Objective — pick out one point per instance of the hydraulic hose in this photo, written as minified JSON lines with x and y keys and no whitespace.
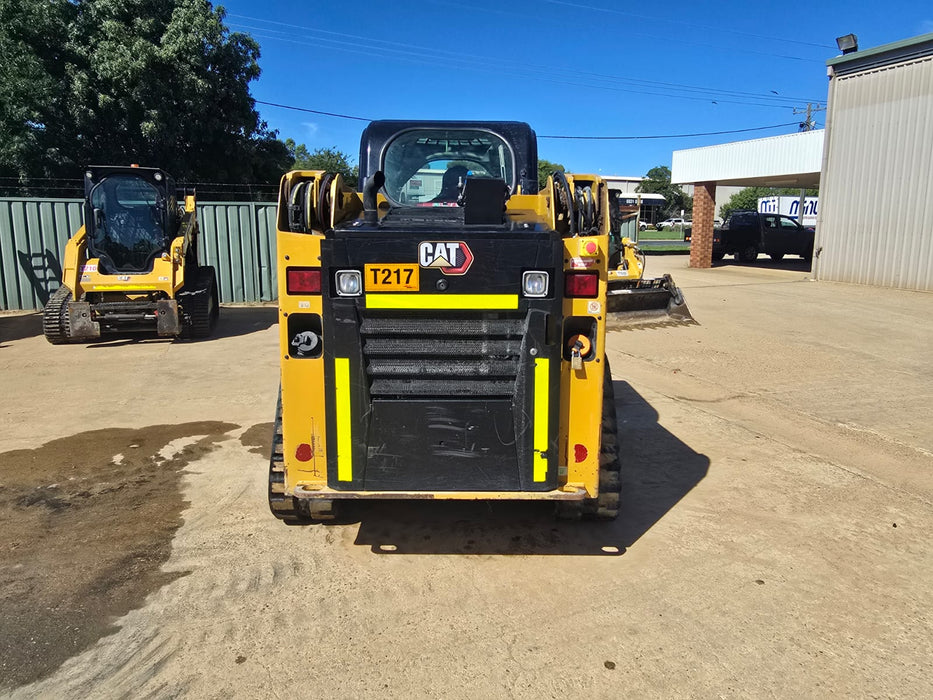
{"x":566,"y":197}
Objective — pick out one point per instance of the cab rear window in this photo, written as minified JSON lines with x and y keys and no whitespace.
{"x":425,"y":167}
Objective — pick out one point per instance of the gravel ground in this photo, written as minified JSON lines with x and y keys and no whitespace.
{"x":778,"y":481}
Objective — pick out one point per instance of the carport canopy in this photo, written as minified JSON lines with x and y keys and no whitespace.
{"x":789,"y":160}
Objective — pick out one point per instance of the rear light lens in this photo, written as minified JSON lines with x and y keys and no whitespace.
{"x":581,"y":284}
{"x":349,"y":283}
{"x":535,"y":284}
{"x":303,"y":280}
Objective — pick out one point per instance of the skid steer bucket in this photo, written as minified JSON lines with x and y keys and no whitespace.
{"x":642,"y":302}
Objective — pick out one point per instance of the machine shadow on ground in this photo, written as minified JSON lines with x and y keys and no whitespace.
{"x":233,"y":321}
{"x":243,"y":320}
{"x":658,"y":470}
{"x":791,"y":264}
{"x":19,"y":327}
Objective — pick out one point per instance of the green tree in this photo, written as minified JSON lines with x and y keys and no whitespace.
{"x":545,"y":169}
{"x":748,"y":198}
{"x":156,"y":82}
{"x":658,"y":181}
{"x":33,"y":78}
{"x":298,"y":153}
{"x":330,"y":159}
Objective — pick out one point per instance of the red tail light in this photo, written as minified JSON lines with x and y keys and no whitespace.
{"x":303,"y":280}
{"x":580,"y":453}
{"x":581,"y":284}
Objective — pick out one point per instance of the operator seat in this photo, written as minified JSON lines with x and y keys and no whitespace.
{"x":450,"y":184}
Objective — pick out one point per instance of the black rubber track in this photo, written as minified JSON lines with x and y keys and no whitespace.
{"x":199,"y":304}
{"x":282,"y":506}
{"x":55,"y":323}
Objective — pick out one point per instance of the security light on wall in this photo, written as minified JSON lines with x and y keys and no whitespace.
{"x":847,"y":43}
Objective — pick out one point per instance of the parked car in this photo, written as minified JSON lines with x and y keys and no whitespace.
{"x":688,"y":230}
{"x":673,"y":223}
{"x":642,"y":225}
{"x":748,"y":233}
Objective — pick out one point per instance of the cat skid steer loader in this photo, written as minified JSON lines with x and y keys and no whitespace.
{"x":442,"y":333}
{"x":133,"y":266}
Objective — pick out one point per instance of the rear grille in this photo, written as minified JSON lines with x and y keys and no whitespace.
{"x":449,"y":357}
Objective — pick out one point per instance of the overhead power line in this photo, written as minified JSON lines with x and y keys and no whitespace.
{"x":314,"y":111}
{"x":669,"y":136}
{"x":691,"y":25}
{"x":582,"y":138}
{"x":558,"y":74}
{"x":627,"y":30}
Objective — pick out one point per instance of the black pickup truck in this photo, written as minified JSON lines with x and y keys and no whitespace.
{"x":748,"y":233}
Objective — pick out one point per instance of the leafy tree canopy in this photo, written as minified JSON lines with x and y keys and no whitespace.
{"x":330,"y":159}
{"x":658,"y":181}
{"x":157,"y":82}
{"x":545,"y":169}
{"x":748,"y":198}
{"x":32,"y":77}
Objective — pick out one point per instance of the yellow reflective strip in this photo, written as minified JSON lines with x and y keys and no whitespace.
{"x":441,"y":301}
{"x":541,"y":419}
{"x":344,"y":435}
{"x":122,"y":287}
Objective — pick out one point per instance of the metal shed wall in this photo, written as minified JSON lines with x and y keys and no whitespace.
{"x":875,"y":222}
{"x":33,"y":233}
{"x":237,"y":238}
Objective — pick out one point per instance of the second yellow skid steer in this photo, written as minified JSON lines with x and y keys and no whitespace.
{"x":133,"y":266}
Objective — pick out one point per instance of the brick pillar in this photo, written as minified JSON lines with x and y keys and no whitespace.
{"x":704,"y":211}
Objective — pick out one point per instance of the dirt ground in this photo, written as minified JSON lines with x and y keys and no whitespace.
{"x":778,"y":482}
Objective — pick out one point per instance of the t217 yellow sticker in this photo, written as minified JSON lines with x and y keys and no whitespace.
{"x":391,"y":278}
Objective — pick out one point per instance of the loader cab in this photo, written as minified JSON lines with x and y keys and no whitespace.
{"x":130,"y":216}
{"x":426,"y":163}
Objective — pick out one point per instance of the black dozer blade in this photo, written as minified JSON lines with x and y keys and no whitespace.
{"x":646,"y":303}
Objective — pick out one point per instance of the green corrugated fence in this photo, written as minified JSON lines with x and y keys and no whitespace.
{"x":237,"y":238}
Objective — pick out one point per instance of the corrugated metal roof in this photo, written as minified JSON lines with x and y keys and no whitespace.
{"x":905,"y":50}
{"x":789,"y":160}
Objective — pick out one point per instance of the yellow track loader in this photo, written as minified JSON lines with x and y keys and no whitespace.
{"x":442,"y":332}
{"x":133,"y":266}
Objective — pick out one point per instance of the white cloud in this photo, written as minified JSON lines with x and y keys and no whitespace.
{"x":311,"y":127}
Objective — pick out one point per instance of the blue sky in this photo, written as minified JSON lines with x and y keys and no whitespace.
{"x":567,"y":67}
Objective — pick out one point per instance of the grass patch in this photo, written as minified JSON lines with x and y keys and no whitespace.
{"x":663,"y":246}
{"x":666,"y":235}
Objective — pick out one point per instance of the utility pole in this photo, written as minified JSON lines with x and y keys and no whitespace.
{"x":807,"y":125}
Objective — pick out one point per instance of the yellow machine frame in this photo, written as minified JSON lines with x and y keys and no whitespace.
{"x":171,"y":295}
{"x":581,"y":391}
